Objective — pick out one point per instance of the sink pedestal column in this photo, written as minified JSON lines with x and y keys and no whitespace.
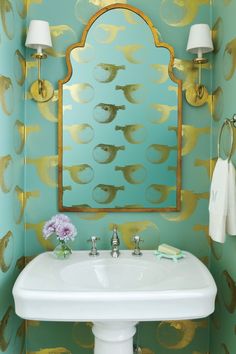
{"x":114,"y":337}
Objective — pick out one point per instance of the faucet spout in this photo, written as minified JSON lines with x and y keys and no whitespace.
{"x":115,"y":242}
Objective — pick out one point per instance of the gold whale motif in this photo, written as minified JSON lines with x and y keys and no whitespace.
{"x":226,"y":350}
{"x":229,"y":301}
{"x":157,"y":153}
{"x":131,"y":91}
{"x":5,"y":162}
{"x":31,"y":129}
{"x":23,"y":198}
{"x":20,"y":128}
{"x":44,"y":166}
{"x":23,"y":261}
{"x":165,"y":111}
{"x":180,"y":13}
{"x":37,"y":228}
{"x":20,"y":60}
{"x":216,"y":104}
{"x":129,"y":229}
{"x":162,"y":70}
{"x":105,"y":153}
{"x":82,"y":335}
{"x":30,"y":65}
{"x":191,"y":135}
{"x":81,"y":174}
{"x":81,"y":92}
{"x":25,"y":6}
{"x":58,"y":350}
{"x":6,"y":89}
{"x":229,"y":59}
{"x":103,"y":3}
{"x":180,"y":333}
{"x":105,"y":193}
{"x":189,"y":205}
{"x":48,"y":109}
{"x":158,"y":193}
{"x":67,"y":107}
{"x":147,"y":351}
{"x":207,"y":164}
{"x":129,"y":16}
{"x":57,"y":33}
{"x":111,"y":32}
{"x":129,"y":50}
{"x":106,"y":113}
{"x":21,"y":333}
{"x":4,"y":331}
{"x":218,"y":34}
{"x":7,"y":17}
{"x":174,"y":89}
{"x":84,"y":54}
{"x":134,"y":133}
{"x":3,"y":246}
{"x":106,"y":72}
{"x":80,"y":133}
{"x":134,"y":174}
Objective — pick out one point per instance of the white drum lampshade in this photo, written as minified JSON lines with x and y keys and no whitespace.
{"x":199,"y":40}
{"x":38,"y":36}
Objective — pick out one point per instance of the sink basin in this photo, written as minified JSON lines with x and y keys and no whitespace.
{"x":84,"y":288}
{"x":114,"y":292}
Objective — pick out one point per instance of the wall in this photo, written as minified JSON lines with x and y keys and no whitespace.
{"x":12,"y":76}
{"x":223,"y":264}
{"x":186,"y":229}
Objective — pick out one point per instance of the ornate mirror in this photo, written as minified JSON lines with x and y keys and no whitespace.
{"x":119,"y":118}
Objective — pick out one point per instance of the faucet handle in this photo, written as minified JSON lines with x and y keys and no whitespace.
{"x":137,"y":239}
{"x":93,"y":240}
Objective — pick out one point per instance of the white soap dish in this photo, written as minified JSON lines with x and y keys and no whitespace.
{"x":173,"y":257}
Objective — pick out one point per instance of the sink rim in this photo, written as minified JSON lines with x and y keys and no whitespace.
{"x":113,"y":301}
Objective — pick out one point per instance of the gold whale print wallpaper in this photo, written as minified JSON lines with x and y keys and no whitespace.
{"x":29,"y":134}
{"x":12,"y":79}
{"x":223,"y":260}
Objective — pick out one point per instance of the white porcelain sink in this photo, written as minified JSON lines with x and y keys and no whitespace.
{"x":114,"y":293}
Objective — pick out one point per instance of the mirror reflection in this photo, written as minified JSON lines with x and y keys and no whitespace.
{"x":119,"y":118}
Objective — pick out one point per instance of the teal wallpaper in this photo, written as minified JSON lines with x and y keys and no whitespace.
{"x":186,"y":229}
{"x":223,"y":261}
{"x":33,"y":200}
{"x":12,"y":77}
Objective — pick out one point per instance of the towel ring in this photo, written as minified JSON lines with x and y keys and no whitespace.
{"x":229,"y":123}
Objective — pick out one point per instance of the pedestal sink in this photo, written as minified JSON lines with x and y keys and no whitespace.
{"x":114,"y":294}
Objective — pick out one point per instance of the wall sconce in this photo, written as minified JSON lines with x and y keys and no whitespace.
{"x":38,"y":38}
{"x":199,"y":42}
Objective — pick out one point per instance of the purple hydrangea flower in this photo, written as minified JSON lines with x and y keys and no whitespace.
{"x":60,"y":218}
{"x":60,"y":225}
{"x":66,"y":231}
{"x":49,"y":228}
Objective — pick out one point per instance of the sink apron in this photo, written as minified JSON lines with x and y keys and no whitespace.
{"x":114,"y":337}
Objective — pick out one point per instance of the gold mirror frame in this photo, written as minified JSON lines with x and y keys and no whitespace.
{"x":81,"y":44}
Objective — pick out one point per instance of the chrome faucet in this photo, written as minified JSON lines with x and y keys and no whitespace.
{"x":115,"y":242}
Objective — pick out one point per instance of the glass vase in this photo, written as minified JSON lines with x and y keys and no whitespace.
{"x":62,"y":250}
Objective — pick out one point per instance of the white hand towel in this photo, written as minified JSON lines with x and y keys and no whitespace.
{"x":218,"y":205}
{"x":231,"y":213}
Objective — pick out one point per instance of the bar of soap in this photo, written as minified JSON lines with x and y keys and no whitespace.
{"x":167,"y":249}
